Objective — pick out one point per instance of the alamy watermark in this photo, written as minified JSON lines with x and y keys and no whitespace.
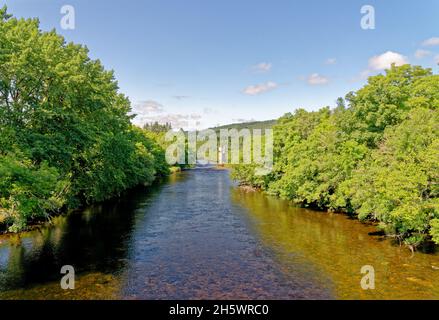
{"x":368,"y":280}
{"x":68,"y":20}
{"x":68,"y":280}
{"x":368,"y":19}
{"x":233,"y":146}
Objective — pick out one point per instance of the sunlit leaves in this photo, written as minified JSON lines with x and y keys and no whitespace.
{"x":66,"y":137}
{"x":378,"y":157}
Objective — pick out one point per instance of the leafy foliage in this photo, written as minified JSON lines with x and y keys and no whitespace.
{"x":378,"y":157}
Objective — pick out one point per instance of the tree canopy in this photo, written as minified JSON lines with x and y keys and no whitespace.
{"x":65,"y":134}
{"x":375,"y":155}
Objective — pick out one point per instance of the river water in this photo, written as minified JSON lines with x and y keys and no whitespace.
{"x":198,"y":236}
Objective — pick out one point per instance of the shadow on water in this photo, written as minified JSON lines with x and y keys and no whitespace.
{"x":94,"y":240}
{"x":339,"y":247}
{"x":197,"y":236}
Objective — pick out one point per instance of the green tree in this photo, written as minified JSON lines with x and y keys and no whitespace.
{"x":375,"y":155}
{"x":65,"y":128}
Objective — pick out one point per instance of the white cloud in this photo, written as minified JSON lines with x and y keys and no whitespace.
{"x":260,"y":88}
{"x":436,"y":59}
{"x":149,"y":106}
{"x":385,"y":60}
{"x":431,"y":42}
{"x":151,"y":111}
{"x":242,"y":120}
{"x":331,"y":61}
{"x":420,"y":53}
{"x":316,"y":79}
{"x":262,"y":67}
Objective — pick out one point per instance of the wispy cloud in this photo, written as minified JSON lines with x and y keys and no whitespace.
{"x":363,"y":75}
{"x":151,"y":111}
{"x":317,"y":79}
{"x":262,"y":67}
{"x":260,"y":88}
{"x":331,"y":61}
{"x":148,"y":106}
{"x":421,"y":53}
{"x":436,"y":59}
{"x":195,"y":116}
{"x":180,"y":97}
{"x":431,"y":42}
{"x":242,"y":120}
{"x":177,"y":121}
{"x":385,"y":60}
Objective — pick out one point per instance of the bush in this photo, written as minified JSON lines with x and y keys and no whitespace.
{"x":66,"y":137}
{"x":378,"y":157}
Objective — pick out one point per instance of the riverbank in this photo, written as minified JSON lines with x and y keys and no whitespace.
{"x":177,"y":241}
{"x":73,"y":143}
{"x":426,"y":247}
{"x":38,"y":225}
{"x":374,"y":155}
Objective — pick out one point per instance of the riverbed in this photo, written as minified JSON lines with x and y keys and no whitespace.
{"x":198,"y":236}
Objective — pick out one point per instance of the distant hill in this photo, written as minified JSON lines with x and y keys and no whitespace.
{"x":268,"y":124}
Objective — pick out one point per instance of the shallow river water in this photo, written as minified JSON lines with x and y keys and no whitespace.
{"x":198,"y":236}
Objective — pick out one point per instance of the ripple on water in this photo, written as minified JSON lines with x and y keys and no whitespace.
{"x":199,"y":237}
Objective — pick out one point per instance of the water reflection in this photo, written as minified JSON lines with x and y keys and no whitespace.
{"x":197,"y":236}
{"x":195,"y":244}
{"x":94,"y":241}
{"x":339,"y":247}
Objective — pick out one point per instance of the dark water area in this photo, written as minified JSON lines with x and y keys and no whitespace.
{"x":198,"y":236}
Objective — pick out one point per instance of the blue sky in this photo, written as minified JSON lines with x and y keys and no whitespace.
{"x":208,"y":62}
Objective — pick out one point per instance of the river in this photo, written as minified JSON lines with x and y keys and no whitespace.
{"x":199,"y":236}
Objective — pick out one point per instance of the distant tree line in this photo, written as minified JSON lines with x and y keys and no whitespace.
{"x":157,"y":127}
